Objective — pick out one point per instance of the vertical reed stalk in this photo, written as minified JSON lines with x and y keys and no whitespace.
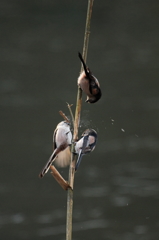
{"x":76,"y":126}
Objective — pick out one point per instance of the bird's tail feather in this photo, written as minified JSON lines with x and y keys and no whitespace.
{"x":78,"y":160}
{"x":47,"y":165}
{"x":83,"y":62}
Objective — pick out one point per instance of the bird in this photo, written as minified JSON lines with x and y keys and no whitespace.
{"x":89,"y":83}
{"x":62,"y":139}
{"x":85,"y":144}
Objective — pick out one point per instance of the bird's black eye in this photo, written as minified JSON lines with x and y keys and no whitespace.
{"x":67,"y":123}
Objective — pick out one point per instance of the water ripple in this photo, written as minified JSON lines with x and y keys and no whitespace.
{"x":92,"y":224}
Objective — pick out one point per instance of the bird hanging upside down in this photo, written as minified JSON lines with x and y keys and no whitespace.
{"x":85,"y":145}
{"x":89,"y":84}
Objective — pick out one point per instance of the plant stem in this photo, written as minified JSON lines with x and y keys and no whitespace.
{"x":61,"y":181}
{"x":76,"y":126}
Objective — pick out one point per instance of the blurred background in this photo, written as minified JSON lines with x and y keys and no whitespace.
{"x":116,"y":191}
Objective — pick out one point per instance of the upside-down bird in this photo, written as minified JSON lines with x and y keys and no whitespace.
{"x":85,"y":145}
{"x":89,"y":84}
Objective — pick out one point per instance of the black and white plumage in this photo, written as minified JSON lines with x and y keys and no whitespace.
{"x":62,"y":139}
{"x":85,"y":145}
{"x":89,"y":84}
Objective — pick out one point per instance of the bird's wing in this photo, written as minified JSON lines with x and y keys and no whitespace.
{"x":82,"y":151}
{"x":85,"y":143}
{"x":54,"y":137}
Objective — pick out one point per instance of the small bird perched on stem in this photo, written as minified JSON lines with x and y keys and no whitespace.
{"x":89,"y":84}
{"x":85,"y":145}
{"x":62,"y":139}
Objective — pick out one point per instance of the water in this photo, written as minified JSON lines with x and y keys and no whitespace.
{"x":116,"y":187}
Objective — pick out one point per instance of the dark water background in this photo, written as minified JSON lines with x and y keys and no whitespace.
{"x":116,"y":192}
